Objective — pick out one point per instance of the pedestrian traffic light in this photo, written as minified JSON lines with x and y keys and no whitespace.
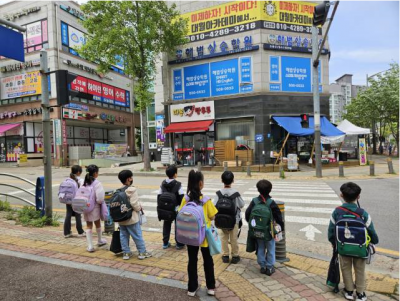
{"x":63,"y":80}
{"x":304,"y":121}
{"x":320,"y":13}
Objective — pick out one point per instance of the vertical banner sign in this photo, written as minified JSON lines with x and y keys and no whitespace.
{"x":274,"y":73}
{"x":362,"y":151}
{"x":246,"y":79}
{"x":160,"y":130}
{"x":197,"y":81}
{"x":64,"y":132}
{"x":296,"y":74}
{"x":224,"y":77}
{"x":94,"y":88}
{"x":128,"y":99}
{"x":178,"y":80}
{"x":64,"y":33}
{"x":58,"y":131}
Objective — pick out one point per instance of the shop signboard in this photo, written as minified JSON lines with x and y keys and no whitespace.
{"x":259,"y":138}
{"x":160,"y":130}
{"x":23,"y":158}
{"x":120,"y":97}
{"x":224,"y":77}
{"x":198,"y":111}
{"x":79,"y":84}
{"x":177,"y":80}
{"x":290,"y":74}
{"x":109,"y":150}
{"x":72,"y":38}
{"x":362,"y":149}
{"x":219,"y":78}
{"x":21,"y":85}
{"x":197,"y":81}
{"x":94,"y":89}
{"x":241,"y":16}
{"x":107,"y":94}
{"x":73,"y":114}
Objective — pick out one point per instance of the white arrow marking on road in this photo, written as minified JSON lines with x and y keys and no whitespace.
{"x":310,"y":232}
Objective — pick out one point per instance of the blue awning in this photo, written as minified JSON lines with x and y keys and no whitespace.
{"x":292,"y":124}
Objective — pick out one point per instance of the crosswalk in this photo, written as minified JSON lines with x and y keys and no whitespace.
{"x":305,"y":202}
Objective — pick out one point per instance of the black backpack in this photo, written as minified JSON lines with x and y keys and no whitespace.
{"x":167,"y":202}
{"x":120,"y":207}
{"x":226,"y":216}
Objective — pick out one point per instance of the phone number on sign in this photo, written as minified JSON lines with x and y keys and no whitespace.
{"x":224,"y":32}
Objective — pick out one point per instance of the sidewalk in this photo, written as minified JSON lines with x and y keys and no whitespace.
{"x":351,"y":173}
{"x":301,"y":278}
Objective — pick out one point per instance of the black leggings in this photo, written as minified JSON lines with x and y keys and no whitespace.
{"x":67,"y":222}
{"x":192,"y":268}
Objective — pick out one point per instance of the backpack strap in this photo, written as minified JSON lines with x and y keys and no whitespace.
{"x":234,"y":196}
{"x":356,"y":213}
{"x":176,"y":187}
{"x":219,"y":194}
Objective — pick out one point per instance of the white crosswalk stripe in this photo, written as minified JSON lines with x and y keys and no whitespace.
{"x":305,"y":202}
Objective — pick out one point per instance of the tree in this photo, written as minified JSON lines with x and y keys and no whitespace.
{"x":378,"y":103}
{"x":137,"y":32}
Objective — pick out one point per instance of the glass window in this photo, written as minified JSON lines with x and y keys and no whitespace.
{"x":29,"y":129}
{"x":98,"y":104}
{"x":11,"y":101}
{"x":5,"y":102}
{"x":91,"y":102}
{"x":240,"y":130}
{"x":18,"y":100}
{"x":152,"y":135}
{"x":96,"y":133}
{"x":105,"y":105}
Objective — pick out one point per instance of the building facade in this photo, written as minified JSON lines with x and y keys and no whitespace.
{"x":103,"y":112}
{"x":342,"y":92}
{"x":245,"y":62}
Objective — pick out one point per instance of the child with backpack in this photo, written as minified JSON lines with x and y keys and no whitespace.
{"x":131,"y":226}
{"x":228,"y":203}
{"x":261,"y":215}
{"x":196,"y":211}
{"x":350,"y":232}
{"x":66,"y":194}
{"x":169,"y":199}
{"x":96,"y":193}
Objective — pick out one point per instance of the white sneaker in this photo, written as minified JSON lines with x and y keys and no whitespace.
{"x":348,"y":295}
{"x":90,"y":250}
{"x":144,"y":255}
{"x":361,"y":297}
{"x":193,"y":294}
{"x":211,"y":292}
{"x":68,"y":235}
{"x":127,"y":256}
{"x":82,"y":234}
{"x":102,"y":242}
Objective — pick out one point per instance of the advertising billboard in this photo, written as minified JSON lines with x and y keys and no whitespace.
{"x":21,"y":85}
{"x":225,"y":77}
{"x":198,"y":111}
{"x":290,"y":74}
{"x":240,"y":16}
{"x":36,"y":34}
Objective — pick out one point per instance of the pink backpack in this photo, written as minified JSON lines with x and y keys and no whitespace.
{"x":84,"y":200}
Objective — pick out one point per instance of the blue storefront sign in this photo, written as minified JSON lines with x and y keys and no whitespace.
{"x":296,"y":74}
{"x":224,"y":77}
{"x":178,"y":96}
{"x":64,"y":33}
{"x":197,"y":81}
{"x":246,"y":88}
{"x":177,"y":80}
{"x":245,"y":70}
{"x":275,"y":87}
{"x":274,"y":69}
{"x":259,"y":138}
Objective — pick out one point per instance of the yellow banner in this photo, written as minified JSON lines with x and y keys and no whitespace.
{"x":21,"y":85}
{"x":234,"y":14}
{"x":288,"y":12}
{"x":223,"y":16}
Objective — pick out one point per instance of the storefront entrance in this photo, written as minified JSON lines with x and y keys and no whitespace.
{"x":191,"y":148}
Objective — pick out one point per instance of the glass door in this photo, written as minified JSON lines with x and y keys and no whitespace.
{"x":3,"y":150}
{"x":200,"y":148}
{"x":187,"y":150}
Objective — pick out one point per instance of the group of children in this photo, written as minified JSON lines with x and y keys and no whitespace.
{"x":263,"y":216}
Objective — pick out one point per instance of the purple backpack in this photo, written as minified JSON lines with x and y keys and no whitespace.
{"x":67,"y":191}
{"x":84,"y":200}
{"x":191,"y":224}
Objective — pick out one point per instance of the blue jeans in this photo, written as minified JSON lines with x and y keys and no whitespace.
{"x":136,"y":232}
{"x":268,"y":260}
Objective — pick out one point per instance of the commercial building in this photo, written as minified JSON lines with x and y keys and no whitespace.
{"x":103,"y":113}
{"x":245,"y":62}
{"x":342,"y":92}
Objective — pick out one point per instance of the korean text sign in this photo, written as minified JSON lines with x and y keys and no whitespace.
{"x":197,"y":81}
{"x":224,"y":77}
{"x":21,"y":85}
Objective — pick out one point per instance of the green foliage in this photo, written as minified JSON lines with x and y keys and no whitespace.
{"x":378,"y":103}
{"x":29,"y":216}
{"x":5,"y":206}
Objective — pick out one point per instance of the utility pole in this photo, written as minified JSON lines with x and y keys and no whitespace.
{"x":319,"y":17}
{"x":46,"y":135}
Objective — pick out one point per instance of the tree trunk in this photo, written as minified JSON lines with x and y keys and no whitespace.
{"x":146,"y":152}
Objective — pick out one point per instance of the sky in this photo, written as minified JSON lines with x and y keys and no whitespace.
{"x":364,"y":38}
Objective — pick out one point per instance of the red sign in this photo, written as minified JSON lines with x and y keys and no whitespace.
{"x":94,"y":88}
{"x":119,"y":96}
{"x":64,"y":132}
{"x":79,"y":84}
{"x":108,"y":93}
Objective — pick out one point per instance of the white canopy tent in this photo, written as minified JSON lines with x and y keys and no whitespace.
{"x":351,"y":129}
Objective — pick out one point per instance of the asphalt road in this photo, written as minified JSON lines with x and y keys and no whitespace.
{"x":26,"y":280}
{"x":380,"y":198}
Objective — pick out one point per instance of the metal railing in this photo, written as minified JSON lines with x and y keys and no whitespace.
{"x":12,"y":195}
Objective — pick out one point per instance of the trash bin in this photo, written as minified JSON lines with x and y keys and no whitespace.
{"x":109,"y":225}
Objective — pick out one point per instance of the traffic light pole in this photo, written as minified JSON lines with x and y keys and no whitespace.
{"x":317,"y":114}
{"x":46,"y":135}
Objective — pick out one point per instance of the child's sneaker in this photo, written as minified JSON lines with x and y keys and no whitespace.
{"x":82,"y":234}
{"x":179,"y":247}
{"x":225,"y":259}
{"x":211,"y":292}
{"x":68,"y":235}
{"x":144,"y":255}
{"x":166,"y":246}
{"x":126,"y":256}
{"x":193,"y":294}
{"x":361,"y":297}
{"x":348,"y":295}
{"x":102,"y":242}
{"x":270,"y":271}
{"x":235,"y":259}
